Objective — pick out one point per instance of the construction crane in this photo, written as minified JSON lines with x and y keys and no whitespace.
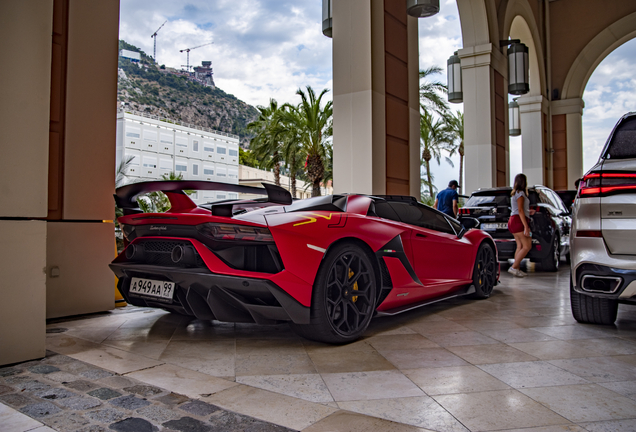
{"x":154,"y":36}
{"x":187,"y":65}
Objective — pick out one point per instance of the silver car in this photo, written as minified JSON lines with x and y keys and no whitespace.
{"x":603,"y":236}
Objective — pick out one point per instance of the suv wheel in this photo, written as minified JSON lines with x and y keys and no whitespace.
{"x":592,"y":310}
{"x":552,"y":261}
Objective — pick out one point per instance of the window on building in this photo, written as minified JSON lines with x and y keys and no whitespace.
{"x":165,"y":164}
{"x":133,"y":134}
{"x":195,"y":169}
{"x":150,"y":136}
{"x":195,"y":145}
{"x":220,"y":150}
{"x":233,"y":152}
{"x":208,"y":149}
{"x":208,"y":171}
{"x":181,"y":167}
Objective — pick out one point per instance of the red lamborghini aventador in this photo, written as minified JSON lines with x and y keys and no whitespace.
{"x":326,"y":265}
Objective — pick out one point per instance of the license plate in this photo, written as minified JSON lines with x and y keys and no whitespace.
{"x":494,"y":226}
{"x":153,"y":288}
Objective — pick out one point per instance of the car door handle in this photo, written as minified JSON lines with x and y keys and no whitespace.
{"x":420,"y":235}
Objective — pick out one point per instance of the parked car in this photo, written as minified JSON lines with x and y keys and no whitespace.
{"x":603,"y":241}
{"x":550,"y":225}
{"x":326,"y":265}
{"x":568,"y":197}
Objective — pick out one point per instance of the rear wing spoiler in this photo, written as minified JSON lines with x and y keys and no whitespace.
{"x":126,"y":196}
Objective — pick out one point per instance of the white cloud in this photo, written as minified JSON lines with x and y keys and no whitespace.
{"x":262,"y":49}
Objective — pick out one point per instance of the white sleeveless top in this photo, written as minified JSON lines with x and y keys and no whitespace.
{"x":515,"y":206}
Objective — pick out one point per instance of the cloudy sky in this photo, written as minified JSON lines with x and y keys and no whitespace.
{"x":269,"y":48}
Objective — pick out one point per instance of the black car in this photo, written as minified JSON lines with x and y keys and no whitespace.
{"x":550,"y":225}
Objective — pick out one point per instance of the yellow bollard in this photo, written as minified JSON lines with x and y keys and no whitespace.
{"x":119,"y":299}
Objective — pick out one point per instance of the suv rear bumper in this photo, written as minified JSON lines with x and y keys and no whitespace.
{"x":590,"y":258}
{"x":605,"y":282}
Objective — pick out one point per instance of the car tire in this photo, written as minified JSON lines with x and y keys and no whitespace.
{"x":552,"y":261}
{"x":592,"y":310}
{"x":484,"y":272}
{"x":337,"y":315}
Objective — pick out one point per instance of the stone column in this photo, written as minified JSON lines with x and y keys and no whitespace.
{"x":572,"y":110}
{"x":485,"y":117}
{"x":375,"y":94}
{"x":533,"y":155}
{"x":25,"y":29}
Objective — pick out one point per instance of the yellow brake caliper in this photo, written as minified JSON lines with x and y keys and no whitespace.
{"x":355,"y":286}
{"x":479,"y":268}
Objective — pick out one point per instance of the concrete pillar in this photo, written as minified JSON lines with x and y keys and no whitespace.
{"x":81,"y":211}
{"x":376,"y":98}
{"x":485,"y":117}
{"x":533,"y":154}
{"x":572,"y":109}
{"x":57,"y":166}
{"x":25,"y":29}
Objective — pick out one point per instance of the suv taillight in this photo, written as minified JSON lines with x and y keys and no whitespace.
{"x":604,"y":184}
{"x":464,"y":211}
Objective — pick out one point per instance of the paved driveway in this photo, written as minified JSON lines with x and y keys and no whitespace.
{"x":517,"y":360}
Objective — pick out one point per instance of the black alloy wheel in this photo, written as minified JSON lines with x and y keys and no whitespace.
{"x":484,"y":272}
{"x":343,"y":299}
{"x":552,"y":261}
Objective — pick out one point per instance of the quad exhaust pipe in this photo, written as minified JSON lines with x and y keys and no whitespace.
{"x":183,"y":255}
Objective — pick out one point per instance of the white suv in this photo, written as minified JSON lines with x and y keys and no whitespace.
{"x":603,"y":236}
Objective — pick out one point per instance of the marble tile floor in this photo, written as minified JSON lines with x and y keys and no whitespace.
{"x":517,"y":361}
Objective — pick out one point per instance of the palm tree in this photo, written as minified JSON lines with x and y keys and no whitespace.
{"x":312,"y":124}
{"x":294,"y":157}
{"x":122,"y":168}
{"x":434,"y":139}
{"x":432,"y":92}
{"x":454,"y":125}
{"x":267,"y":143}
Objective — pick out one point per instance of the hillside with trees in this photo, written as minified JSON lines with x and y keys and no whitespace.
{"x":161,"y":91}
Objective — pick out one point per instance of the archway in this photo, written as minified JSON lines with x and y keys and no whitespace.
{"x":568,"y":111}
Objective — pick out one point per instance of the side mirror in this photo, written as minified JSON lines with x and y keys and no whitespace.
{"x":467,"y":223}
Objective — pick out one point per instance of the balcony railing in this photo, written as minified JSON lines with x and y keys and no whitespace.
{"x":176,"y":122}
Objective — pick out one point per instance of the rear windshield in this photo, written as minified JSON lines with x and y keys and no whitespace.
{"x":623,"y":143}
{"x":497,"y":200}
{"x":488,"y":201}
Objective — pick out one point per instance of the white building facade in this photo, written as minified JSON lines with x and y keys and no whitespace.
{"x":159,"y":146}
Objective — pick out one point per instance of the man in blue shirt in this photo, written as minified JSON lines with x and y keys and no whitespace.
{"x":446,"y":200}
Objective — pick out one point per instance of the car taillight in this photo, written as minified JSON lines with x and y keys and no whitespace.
{"x":464,"y":211}
{"x":219,"y":231}
{"x":604,"y":184}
